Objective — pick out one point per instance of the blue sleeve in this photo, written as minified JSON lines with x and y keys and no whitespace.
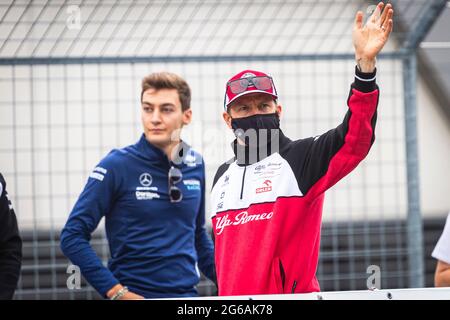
{"x":94,"y":202}
{"x":203,"y":242}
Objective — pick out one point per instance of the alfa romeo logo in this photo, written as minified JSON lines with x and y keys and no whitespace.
{"x":145,"y":179}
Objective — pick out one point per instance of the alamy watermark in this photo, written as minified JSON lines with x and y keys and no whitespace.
{"x":73,"y":21}
{"x":74,"y":280}
{"x":374,"y":280}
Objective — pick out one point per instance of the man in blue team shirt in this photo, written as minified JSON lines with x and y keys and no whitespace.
{"x":152,"y":195}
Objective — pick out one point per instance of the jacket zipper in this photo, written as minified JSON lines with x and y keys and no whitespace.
{"x":283,"y":275}
{"x":243,"y":179}
{"x":294,"y":286}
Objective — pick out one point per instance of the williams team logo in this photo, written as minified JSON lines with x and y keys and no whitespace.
{"x":192,"y":184}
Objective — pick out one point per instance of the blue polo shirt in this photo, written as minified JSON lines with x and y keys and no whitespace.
{"x":155,"y":245}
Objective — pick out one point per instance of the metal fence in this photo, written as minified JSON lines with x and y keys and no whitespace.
{"x":70,"y":76}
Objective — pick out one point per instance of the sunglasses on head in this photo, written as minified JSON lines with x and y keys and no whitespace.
{"x":240,"y":85}
{"x":175,"y":177}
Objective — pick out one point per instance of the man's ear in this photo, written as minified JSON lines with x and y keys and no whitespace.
{"x":187,"y":116}
{"x":227,"y":119}
{"x":279,"y":110}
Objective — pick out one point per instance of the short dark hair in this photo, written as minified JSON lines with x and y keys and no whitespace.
{"x":167,"y":80}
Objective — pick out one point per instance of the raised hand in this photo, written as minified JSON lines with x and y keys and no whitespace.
{"x":369,"y":39}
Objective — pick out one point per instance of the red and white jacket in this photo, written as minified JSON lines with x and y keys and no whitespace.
{"x":267,"y":215}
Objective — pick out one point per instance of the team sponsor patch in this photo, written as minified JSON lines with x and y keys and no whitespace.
{"x":260,"y":167}
{"x":98,"y":173}
{"x":190,"y":160}
{"x":146,"y":195}
{"x":267,"y":187}
{"x":226,"y":181}
{"x":100,"y":170}
{"x":145,"y":179}
{"x":241,"y":218}
{"x":192,"y":184}
{"x":97,"y":176}
{"x":274,"y":165}
{"x":145,"y":191}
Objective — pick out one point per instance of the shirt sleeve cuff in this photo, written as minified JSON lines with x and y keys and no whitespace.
{"x":365,"y":82}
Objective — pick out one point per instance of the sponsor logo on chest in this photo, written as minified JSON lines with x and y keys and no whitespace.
{"x":144,"y":191}
{"x":226,"y":181}
{"x":241,"y":218}
{"x":192,"y":184}
{"x":267,"y":187}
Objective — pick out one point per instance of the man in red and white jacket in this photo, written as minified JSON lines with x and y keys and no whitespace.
{"x":267,"y":201}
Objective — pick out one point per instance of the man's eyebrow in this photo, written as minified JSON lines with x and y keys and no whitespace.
{"x":240,"y":103}
{"x":167,"y":104}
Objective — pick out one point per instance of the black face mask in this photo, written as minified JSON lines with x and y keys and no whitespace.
{"x":262,"y":126}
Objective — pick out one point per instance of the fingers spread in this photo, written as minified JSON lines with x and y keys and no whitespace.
{"x":389,"y":16}
{"x":389,"y":27}
{"x":358,"y":20}
{"x":376,"y":13}
{"x":384,"y":14}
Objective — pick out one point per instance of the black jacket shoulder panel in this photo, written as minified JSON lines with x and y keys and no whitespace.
{"x":309,"y":158}
{"x":221,"y":170}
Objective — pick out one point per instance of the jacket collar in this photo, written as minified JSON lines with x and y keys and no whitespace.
{"x":152,"y":152}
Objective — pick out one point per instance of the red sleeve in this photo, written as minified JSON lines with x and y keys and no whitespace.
{"x":332,"y":155}
{"x":357,"y":141}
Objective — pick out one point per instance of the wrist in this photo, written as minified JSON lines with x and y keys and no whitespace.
{"x":119,"y":294}
{"x":366,"y":65}
{"x":111,"y":292}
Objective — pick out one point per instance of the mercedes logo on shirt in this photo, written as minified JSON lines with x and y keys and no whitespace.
{"x":145,"y":179}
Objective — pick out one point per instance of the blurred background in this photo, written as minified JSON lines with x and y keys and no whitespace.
{"x":70,"y":75}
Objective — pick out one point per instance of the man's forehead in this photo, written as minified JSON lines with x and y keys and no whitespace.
{"x":257,"y":96}
{"x":170,"y":95}
{"x":162,"y":92}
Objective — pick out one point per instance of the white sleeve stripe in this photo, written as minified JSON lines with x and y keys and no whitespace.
{"x":101,"y":170}
{"x":366,"y":80}
{"x":98,"y":176}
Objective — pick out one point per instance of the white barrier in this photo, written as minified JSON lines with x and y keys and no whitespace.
{"x":394,"y":294}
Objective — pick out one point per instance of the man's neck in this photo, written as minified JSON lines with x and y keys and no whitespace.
{"x":167,"y":148}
